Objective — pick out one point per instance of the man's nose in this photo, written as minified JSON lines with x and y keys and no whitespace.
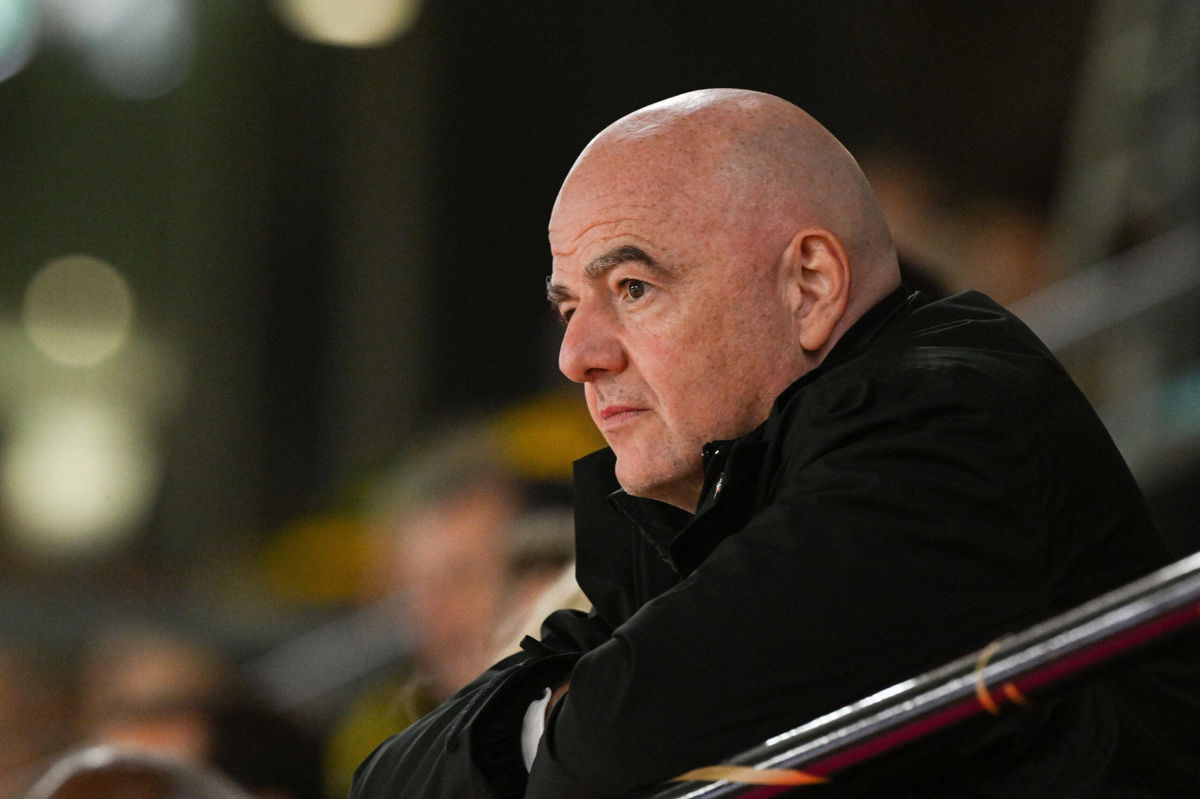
{"x":590,"y":347}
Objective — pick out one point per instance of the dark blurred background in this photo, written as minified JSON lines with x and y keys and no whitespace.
{"x":251,"y":250}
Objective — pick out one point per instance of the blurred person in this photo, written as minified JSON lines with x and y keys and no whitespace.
{"x":129,"y":670}
{"x":817,"y":484}
{"x":449,"y":562}
{"x":439,"y":521}
{"x":963,"y":240}
{"x":474,"y":521}
{"x":105,"y":772}
{"x":147,"y":690}
{"x":269,"y":754}
{"x":473,"y":526}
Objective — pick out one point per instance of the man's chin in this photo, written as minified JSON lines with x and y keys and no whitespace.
{"x":648,"y":484}
{"x":635,"y":481}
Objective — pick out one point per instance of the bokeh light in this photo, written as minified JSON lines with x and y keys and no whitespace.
{"x":77,"y":477}
{"x":140,"y":49}
{"x":78,"y":311}
{"x":349,"y":23}
{"x":18,"y":35}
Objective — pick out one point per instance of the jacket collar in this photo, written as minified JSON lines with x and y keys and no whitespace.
{"x":868,"y":328}
{"x":731,"y":468}
{"x":873,"y":322}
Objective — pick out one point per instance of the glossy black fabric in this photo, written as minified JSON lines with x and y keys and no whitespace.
{"x":938,"y":482}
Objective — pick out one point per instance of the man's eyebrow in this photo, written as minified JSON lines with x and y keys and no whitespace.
{"x":596,"y":267}
{"x":618,"y":255}
{"x":555,"y":293}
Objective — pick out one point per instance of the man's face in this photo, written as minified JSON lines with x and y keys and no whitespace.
{"x":677,"y":322}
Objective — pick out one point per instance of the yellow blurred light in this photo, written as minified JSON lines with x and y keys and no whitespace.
{"x":542,"y":436}
{"x":78,"y":310}
{"x":318,"y":559}
{"x":349,"y":23}
{"x":76,"y":477}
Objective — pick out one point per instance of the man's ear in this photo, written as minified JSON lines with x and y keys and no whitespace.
{"x":819,"y":285}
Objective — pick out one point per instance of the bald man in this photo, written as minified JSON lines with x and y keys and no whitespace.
{"x":817,"y":485}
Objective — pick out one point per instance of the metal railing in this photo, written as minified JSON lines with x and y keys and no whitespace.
{"x":1003,"y":675}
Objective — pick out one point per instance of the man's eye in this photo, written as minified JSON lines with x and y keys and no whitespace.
{"x":636,"y":289}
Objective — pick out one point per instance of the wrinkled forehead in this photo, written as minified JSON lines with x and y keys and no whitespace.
{"x":584,"y":223}
{"x":636,"y":191}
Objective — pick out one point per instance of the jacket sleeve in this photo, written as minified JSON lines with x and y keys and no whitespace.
{"x":469,"y":746}
{"x":905,"y":532}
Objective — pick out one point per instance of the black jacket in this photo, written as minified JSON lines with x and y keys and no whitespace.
{"x":937,"y":482}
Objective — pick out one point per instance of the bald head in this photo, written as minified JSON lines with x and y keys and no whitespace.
{"x":748,"y":161}
{"x":708,"y":250}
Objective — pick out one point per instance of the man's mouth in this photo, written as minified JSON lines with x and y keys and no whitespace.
{"x":616,"y":413}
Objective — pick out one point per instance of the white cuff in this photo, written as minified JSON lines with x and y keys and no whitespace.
{"x":532,"y":728}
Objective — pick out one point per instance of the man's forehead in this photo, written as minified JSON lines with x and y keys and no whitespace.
{"x":590,"y":204}
{"x":581,"y":235}
{"x":603,"y":182}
